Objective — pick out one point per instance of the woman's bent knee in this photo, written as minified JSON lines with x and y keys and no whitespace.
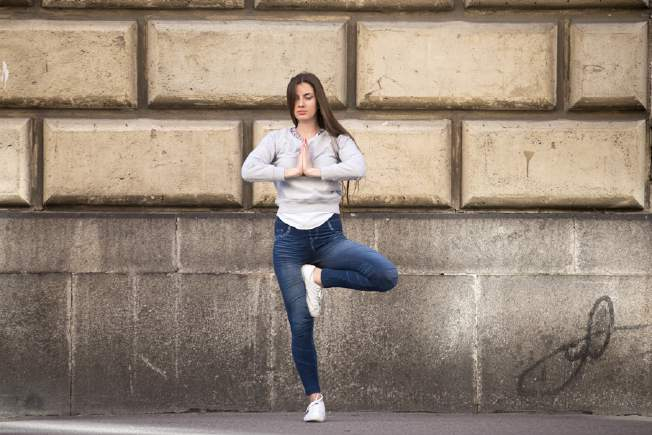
{"x":387,"y":279}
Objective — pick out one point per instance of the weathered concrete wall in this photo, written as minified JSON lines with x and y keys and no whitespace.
{"x":508,"y":152}
{"x":174,"y":312}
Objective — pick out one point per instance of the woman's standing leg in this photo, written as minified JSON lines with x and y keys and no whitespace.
{"x":291,"y":251}
{"x":349,"y":264}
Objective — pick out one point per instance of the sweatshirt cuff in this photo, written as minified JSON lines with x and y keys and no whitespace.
{"x":279,"y":173}
{"x":325,"y":173}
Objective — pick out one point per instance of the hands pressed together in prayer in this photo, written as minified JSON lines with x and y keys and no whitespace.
{"x":304,"y":164}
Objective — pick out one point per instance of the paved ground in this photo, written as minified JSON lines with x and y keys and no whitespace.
{"x":379,"y":423}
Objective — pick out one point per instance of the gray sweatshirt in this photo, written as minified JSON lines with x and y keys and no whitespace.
{"x":279,"y":150}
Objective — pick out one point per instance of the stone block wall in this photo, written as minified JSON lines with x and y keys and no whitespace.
{"x":508,"y":153}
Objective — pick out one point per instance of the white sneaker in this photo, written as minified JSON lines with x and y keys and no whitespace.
{"x":313,"y":290}
{"x":316,"y":411}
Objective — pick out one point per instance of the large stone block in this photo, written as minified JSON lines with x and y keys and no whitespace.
{"x":409,"y":5}
{"x":55,"y":243}
{"x":160,"y":4}
{"x":615,"y":245}
{"x":222,"y":61}
{"x":34,"y":344}
{"x":555,"y":3}
{"x":608,"y":65}
{"x":410,"y":349}
{"x":66,"y":63}
{"x":565,"y":343}
{"x":391,"y":149}
{"x":157,"y":343}
{"x":560,"y":163}
{"x":456,"y":64}
{"x":142,"y":162}
{"x":16,"y":161}
{"x":503,"y":244}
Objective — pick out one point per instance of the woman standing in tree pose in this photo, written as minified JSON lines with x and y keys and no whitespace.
{"x":307,"y":162}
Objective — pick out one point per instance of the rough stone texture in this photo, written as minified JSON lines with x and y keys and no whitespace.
{"x":34,"y":375}
{"x":555,"y":3}
{"x":456,"y":65}
{"x":237,"y":244}
{"x":601,"y":249}
{"x":220,"y":61}
{"x":215,"y":245}
{"x":161,"y":4}
{"x":16,"y":160}
{"x":226,"y":321}
{"x":608,"y":65}
{"x":142,"y":162}
{"x":476,"y":244}
{"x":360,"y":228}
{"x":559,"y":163}
{"x":406,"y":5}
{"x":410,"y":349}
{"x":66,"y":63}
{"x":154,"y":343}
{"x":391,"y":149}
{"x":537,"y":352}
{"x":55,"y":243}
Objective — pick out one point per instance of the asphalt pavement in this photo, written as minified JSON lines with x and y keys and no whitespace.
{"x":378,"y":423}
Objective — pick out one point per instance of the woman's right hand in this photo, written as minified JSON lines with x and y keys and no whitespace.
{"x":297,"y":171}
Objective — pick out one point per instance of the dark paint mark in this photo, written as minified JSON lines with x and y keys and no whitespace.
{"x":593,"y":344}
{"x":528,"y":157}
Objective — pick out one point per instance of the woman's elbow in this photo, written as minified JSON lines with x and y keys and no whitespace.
{"x":245,"y":173}
{"x":361,"y":171}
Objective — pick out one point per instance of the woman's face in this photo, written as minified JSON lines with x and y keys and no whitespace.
{"x":305,"y":105}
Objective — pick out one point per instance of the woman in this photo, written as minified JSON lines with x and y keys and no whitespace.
{"x":306,"y":163}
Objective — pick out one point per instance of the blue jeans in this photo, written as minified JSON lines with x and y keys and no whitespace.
{"x":344,"y":263}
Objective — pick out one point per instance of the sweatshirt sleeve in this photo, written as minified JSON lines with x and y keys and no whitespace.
{"x":352,"y":165}
{"x":257,"y":166}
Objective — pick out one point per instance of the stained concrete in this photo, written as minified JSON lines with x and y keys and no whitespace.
{"x":39,"y":243}
{"x":565,"y":343}
{"x":169,"y":312}
{"x":34,"y":344}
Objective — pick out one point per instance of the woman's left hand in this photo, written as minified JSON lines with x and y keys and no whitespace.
{"x":308,"y":169}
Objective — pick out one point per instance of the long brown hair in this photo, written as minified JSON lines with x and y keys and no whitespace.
{"x":325,"y":117}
